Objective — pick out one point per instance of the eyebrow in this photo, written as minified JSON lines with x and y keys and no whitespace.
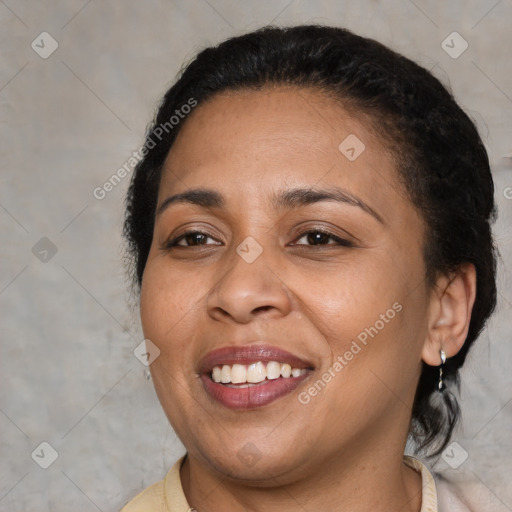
{"x":294,"y":198}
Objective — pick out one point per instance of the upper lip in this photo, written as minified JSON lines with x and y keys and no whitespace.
{"x":248,"y":354}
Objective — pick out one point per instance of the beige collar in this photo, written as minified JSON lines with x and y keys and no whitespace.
{"x":429,"y":493}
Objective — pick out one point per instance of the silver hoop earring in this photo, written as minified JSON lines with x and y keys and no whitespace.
{"x":441,"y":386}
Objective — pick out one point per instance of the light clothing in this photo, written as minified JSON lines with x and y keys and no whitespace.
{"x":164,"y":496}
{"x":167,"y":495}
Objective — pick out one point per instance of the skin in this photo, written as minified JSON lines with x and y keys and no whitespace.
{"x":343,"y":450}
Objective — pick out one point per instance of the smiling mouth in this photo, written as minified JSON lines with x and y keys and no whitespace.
{"x":251,"y":376}
{"x":259,"y":372}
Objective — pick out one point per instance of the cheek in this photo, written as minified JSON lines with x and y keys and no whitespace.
{"x":168,"y":312}
{"x":167,"y":299}
{"x":352,"y":297}
{"x":168,"y":309}
{"x":371,"y":313}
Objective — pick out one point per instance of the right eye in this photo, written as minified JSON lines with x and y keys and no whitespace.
{"x":191,"y":239}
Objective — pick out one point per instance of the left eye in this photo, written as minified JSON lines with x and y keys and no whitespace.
{"x":317,"y":237}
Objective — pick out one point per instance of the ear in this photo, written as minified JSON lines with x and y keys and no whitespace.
{"x":451,"y":303}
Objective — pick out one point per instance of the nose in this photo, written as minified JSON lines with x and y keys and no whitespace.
{"x":247,"y":290}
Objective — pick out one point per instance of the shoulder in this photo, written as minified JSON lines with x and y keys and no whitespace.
{"x":447,"y":492}
{"x":465,"y":494}
{"x":150,"y":499}
{"x":164,"y":496}
{"x":449,"y":497}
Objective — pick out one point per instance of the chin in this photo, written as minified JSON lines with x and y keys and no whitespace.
{"x":262,"y":466}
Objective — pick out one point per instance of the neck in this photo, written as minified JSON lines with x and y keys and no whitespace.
{"x":365,"y":479}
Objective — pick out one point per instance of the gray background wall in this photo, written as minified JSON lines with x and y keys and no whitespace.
{"x":68,"y":122}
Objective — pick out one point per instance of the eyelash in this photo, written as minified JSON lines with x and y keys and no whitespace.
{"x":174,"y":242}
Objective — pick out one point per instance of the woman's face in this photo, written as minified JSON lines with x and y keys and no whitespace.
{"x":303,"y":253}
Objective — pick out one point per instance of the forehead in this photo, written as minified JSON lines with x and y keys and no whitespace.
{"x":280,"y":118}
{"x":252,"y":141}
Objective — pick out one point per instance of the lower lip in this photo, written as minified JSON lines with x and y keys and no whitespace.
{"x":253,"y":396}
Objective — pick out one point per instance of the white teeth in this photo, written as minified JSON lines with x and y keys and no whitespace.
{"x":225,"y":376}
{"x":238,"y":374}
{"x":286,"y":370}
{"x":216,"y":374}
{"x":254,"y":373}
{"x":273,"y":370}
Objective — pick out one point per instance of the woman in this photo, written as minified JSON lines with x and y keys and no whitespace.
{"x":310,"y":231}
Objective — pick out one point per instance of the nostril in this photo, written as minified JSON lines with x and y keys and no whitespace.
{"x":262,"y":308}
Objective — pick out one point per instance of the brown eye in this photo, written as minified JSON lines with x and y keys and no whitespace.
{"x":191,"y":239}
{"x":319,"y":237}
